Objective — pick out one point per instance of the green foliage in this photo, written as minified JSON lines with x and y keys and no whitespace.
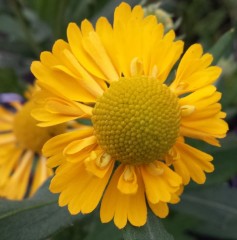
{"x":219,"y":49}
{"x":180,"y":224}
{"x":224,"y":161}
{"x":35,"y":218}
{"x":58,"y":13}
{"x":101,"y":231}
{"x":9,"y":81}
{"x":152,"y":230}
{"x":216,"y":206}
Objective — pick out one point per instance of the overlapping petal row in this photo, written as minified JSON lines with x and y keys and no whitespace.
{"x":84,"y":172}
{"x":76,"y":73}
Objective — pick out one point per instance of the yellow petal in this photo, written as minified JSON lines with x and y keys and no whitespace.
{"x":95,"y":49}
{"x":53,"y":148}
{"x":122,"y":207}
{"x":6,"y":138}
{"x":75,"y":41}
{"x":59,"y":46}
{"x":68,"y":108}
{"x":93,"y":191}
{"x":60,"y":82}
{"x":160,"y":209}
{"x":193,"y":67}
{"x":127,"y":183}
{"x":192,"y":162}
{"x":98,"y":162}
{"x":55,"y":110}
{"x":77,"y":71}
{"x":182,"y":170}
{"x":78,"y":146}
{"x":48,"y":59}
{"x":6,"y":115}
{"x":81,"y":190}
{"x":204,"y":122}
{"x":41,"y":174}
{"x":8,"y":164}
{"x":18,"y":183}
{"x":5,"y":126}
{"x":160,"y":186}
{"x":49,"y":119}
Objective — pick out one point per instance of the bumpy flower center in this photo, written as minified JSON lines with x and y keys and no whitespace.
{"x":137,"y":120}
{"x":29,"y":135}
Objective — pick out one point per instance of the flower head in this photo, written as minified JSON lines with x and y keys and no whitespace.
{"x":20,"y":150}
{"x":134,"y":151}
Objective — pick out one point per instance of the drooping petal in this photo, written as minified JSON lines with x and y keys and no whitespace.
{"x":98,"y":162}
{"x":160,"y":182}
{"x":82,"y":194}
{"x":41,"y":174}
{"x":122,"y":207}
{"x":191,"y":162}
{"x":160,"y":209}
{"x":8,"y":163}
{"x":16,"y":186}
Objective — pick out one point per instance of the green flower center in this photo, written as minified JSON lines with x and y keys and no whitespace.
{"x":28,"y":134}
{"x":137,"y":120}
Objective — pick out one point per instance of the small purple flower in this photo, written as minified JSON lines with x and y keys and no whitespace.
{"x":10,"y":97}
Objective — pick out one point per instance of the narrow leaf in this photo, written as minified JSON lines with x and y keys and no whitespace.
{"x":219,"y":49}
{"x":35,"y":218}
{"x":180,"y":224}
{"x":214,"y":231}
{"x":152,"y":230}
{"x":216,"y":204}
{"x":100,"y":231}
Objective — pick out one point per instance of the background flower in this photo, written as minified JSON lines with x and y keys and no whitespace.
{"x":22,"y":168}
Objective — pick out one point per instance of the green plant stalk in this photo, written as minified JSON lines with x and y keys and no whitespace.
{"x":29,"y":38}
{"x":59,"y":18}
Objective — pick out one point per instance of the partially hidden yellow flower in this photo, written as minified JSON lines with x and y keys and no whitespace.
{"x":22,"y":167}
{"x":134,"y":153}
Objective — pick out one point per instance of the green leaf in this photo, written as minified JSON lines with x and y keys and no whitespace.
{"x":152,"y":230}
{"x":219,"y":49}
{"x":90,"y":228}
{"x":224,"y":161}
{"x":217,"y":232}
{"x":58,"y":13}
{"x":9,"y":81}
{"x":228,"y":87}
{"x":35,"y":218}
{"x":100,"y":231}
{"x":180,"y":224}
{"x":11,"y":27}
{"x":216,"y":204}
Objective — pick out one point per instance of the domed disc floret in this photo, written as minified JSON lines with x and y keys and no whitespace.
{"x":137,"y":120}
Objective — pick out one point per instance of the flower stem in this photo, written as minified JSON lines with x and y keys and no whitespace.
{"x":28,"y":35}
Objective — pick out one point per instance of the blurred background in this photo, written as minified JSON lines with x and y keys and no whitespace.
{"x":29,"y":27}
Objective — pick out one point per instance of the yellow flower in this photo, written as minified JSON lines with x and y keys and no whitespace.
{"x":22,"y":167}
{"x":135,"y":150}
